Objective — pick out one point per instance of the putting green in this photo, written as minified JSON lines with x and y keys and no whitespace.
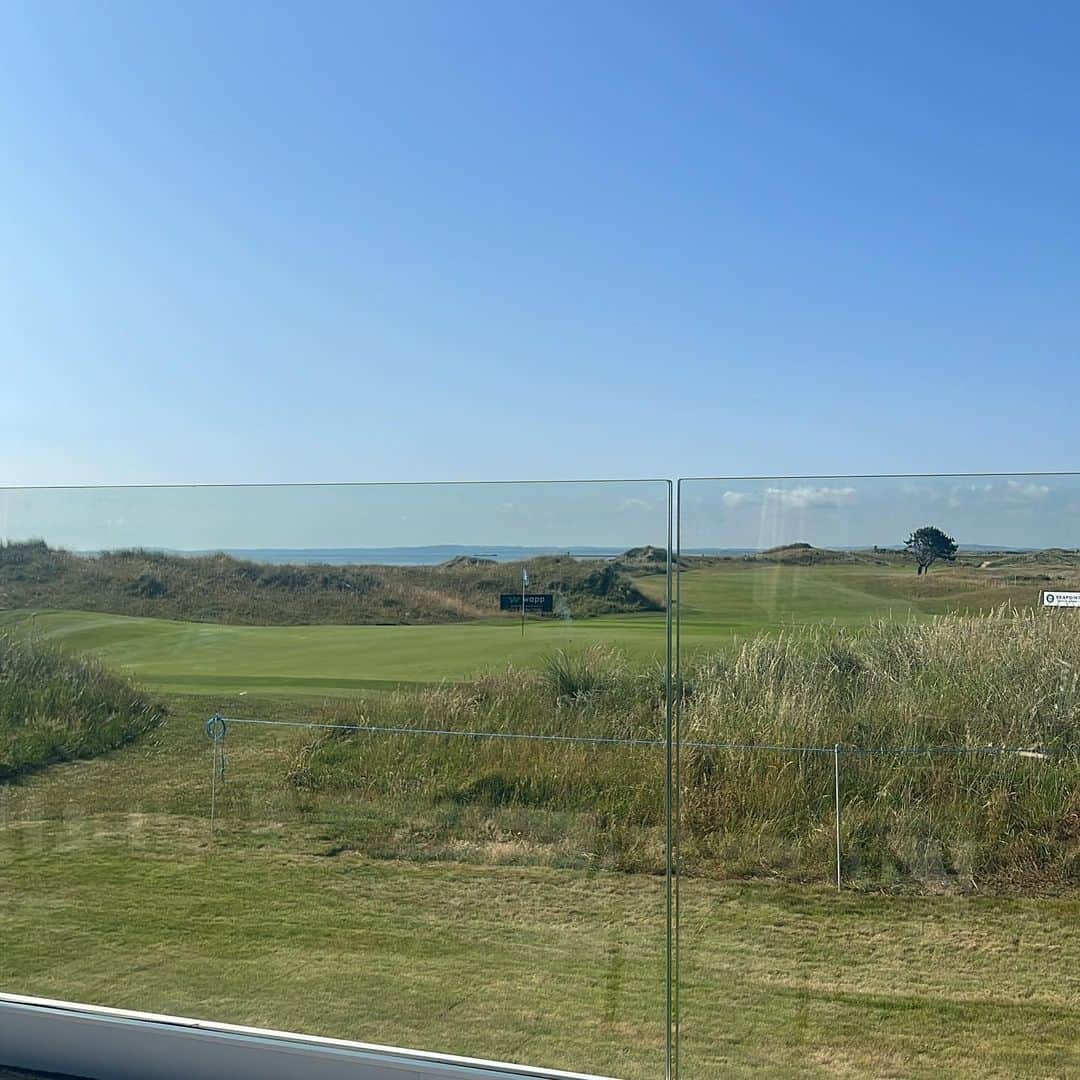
{"x":208,"y":658}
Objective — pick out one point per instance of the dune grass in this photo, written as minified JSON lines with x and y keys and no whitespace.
{"x":1009,"y":680}
{"x":221,"y":589}
{"x":965,"y":821}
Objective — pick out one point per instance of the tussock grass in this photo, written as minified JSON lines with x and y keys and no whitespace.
{"x":932,"y":820}
{"x":54,"y":707}
{"x":579,"y":676}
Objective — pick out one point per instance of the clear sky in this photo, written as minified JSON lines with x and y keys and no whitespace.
{"x":272,"y":242}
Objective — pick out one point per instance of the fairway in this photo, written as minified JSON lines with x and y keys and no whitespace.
{"x":736,"y":597}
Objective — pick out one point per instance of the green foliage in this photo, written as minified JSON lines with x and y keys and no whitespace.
{"x":929,"y":544}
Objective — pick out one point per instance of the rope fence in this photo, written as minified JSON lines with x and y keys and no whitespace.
{"x":217,"y":727}
{"x":604,"y":740}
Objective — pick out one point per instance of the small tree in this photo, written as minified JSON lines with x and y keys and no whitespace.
{"x":929,"y":544}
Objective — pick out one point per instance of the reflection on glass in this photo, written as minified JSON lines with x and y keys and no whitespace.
{"x":878,"y":760}
{"x":432,"y":811}
{"x":382,"y":762}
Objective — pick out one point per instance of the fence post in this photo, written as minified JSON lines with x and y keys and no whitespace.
{"x":216,"y":728}
{"x":213,"y":787}
{"x":836,"y":789}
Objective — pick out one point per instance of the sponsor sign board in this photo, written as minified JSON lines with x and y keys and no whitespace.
{"x":535,"y":603}
{"x":1059,"y":598}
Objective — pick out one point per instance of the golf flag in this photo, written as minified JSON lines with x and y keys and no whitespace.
{"x":524,"y":576}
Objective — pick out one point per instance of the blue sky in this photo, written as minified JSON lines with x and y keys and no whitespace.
{"x":263,"y":242}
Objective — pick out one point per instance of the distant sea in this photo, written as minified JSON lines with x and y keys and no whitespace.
{"x":427,"y":556}
{"x":434,"y":554}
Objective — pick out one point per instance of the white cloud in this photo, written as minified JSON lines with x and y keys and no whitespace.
{"x":802,"y":498}
{"x":731,"y":499}
{"x":1010,"y":493}
{"x":917,"y":491}
{"x":1029,"y":491}
{"x":635,"y":504}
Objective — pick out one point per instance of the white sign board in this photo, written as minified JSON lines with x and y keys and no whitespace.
{"x":1061,"y":599}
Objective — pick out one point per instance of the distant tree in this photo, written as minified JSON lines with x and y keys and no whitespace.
{"x":929,"y":544}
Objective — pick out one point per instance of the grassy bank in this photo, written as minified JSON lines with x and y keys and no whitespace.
{"x":925,"y":821}
{"x":55,"y":707}
{"x":323,"y":661}
{"x":978,"y":819}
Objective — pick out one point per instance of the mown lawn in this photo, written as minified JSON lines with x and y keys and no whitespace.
{"x":324,"y":660}
{"x":112,"y":892}
{"x":548,"y":967}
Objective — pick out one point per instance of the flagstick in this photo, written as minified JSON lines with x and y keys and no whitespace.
{"x":524,"y":581}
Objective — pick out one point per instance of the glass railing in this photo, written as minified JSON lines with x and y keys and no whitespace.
{"x":879,"y":728}
{"x":417,"y":765}
{"x":375,"y":762}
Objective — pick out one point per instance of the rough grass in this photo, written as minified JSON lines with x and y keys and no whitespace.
{"x":981,"y":683}
{"x":222,"y":589}
{"x":976,"y":819}
{"x":55,"y":707}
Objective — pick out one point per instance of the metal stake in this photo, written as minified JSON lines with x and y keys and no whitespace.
{"x":216,"y":727}
{"x":213,"y":785}
{"x":836,"y":779}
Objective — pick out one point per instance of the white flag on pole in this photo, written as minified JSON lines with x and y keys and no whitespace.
{"x":524,"y":576}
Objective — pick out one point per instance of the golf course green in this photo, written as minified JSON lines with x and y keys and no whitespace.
{"x":721,"y":602}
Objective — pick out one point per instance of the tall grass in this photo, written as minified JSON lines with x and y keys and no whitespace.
{"x":972,"y":818}
{"x":54,"y":707}
{"x":977,"y":684}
